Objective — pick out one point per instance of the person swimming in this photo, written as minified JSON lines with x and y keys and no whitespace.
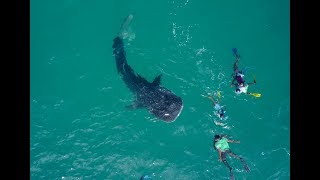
{"x":241,"y":85}
{"x":219,"y":110}
{"x":221,"y":143}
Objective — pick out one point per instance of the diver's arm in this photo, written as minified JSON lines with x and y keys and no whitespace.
{"x":254,"y":82}
{"x":233,"y":141}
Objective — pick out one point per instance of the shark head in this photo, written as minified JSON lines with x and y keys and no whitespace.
{"x":168,"y":107}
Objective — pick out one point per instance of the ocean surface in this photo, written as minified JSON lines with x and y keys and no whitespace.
{"x":80,"y":128}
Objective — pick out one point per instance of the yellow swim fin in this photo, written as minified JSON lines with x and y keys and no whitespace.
{"x":255,"y":94}
{"x":218,"y":94}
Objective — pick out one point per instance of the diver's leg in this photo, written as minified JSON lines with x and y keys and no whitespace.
{"x":223,"y":155}
{"x":246,"y":167}
{"x":233,"y":154}
{"x":235,"y":65}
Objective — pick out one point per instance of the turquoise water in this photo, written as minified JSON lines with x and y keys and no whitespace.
{"x":80,"y":128}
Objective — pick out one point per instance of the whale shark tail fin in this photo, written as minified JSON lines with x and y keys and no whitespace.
{"x":119,"y":53}
{"x":125,"y":27}
{"x":118,"y":46}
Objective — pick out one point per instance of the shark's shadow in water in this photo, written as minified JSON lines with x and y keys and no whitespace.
{"x":158,"y":100}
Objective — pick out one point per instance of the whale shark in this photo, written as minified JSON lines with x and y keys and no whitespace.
{"x":158,"y":100}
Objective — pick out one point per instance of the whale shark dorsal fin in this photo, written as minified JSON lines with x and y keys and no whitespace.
{"x":157,"y":80}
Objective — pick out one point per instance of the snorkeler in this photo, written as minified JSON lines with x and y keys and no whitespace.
{"x":241,"y":86}
{"x":221,"y":110}
{"x":221,"y":143}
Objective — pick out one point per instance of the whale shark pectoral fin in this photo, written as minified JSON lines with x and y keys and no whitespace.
{"x":157,"y":80}
{"x":135,"y":105}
